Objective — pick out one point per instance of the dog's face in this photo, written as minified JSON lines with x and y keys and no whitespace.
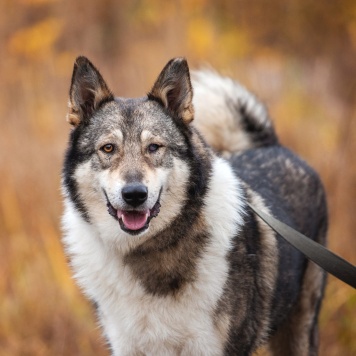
{"x":125,"y":163}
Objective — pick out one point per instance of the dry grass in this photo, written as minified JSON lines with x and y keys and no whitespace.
{"x":42,"y":311}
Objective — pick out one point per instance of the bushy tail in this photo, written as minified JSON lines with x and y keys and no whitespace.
{"x":229,"y":117}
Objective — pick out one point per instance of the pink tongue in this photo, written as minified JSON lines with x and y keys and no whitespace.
{"x":134,"y":220}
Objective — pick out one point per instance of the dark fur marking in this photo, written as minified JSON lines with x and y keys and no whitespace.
{"x":289,"y":185}
{"x":73,"y":158}
{"x":173,"y":253}
{"x":156,"y":99}
{"x":260,"y":133}
{"x":240,"y":299}
{"x":167,"y":268}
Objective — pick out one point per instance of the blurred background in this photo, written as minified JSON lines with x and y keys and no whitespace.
{"x":299,"y":56}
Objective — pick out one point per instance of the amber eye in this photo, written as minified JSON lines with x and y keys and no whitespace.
{"x":109,"y":148}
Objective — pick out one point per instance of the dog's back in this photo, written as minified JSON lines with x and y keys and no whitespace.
{"x":237,"y":126}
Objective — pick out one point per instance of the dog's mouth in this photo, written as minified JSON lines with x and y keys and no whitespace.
{"x":133,"y":221}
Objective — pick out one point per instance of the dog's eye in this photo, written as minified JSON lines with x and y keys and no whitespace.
{"x":109,"y":148}
{"x":153,"y":147}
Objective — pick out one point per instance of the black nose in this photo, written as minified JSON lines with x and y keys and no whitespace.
{"x":134,"y":194}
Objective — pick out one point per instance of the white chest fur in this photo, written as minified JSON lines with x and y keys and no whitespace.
{"x":138,"y":323}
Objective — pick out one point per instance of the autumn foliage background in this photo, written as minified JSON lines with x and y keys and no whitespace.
{"x":299,"y":56}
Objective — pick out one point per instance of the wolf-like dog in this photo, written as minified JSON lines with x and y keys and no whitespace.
{"x":157,"y":226}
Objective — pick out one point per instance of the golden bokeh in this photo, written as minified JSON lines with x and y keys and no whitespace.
{"x":299,"y":57}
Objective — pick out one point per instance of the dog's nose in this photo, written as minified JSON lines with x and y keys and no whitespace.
{"x":134,"y":194}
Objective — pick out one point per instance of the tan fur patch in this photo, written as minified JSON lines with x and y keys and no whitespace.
{"x":73,"y":116}
{"x":222,"y":324}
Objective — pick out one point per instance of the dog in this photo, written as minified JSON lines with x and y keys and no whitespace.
{"x":157,"y":227}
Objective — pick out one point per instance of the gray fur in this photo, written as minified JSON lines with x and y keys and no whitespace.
{"x":191,"y":270}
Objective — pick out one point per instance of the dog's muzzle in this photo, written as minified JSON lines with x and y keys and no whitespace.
{"x":134,"y":221}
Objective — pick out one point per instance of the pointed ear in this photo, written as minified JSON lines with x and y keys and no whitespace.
{"x":87,"y":92}
{"x":173,"y":90}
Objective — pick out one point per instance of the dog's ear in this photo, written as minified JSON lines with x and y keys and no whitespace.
{"x":173,"y":90}
{"x":87,"y":92}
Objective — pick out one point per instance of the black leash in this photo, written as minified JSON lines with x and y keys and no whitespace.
{"x":326,"y":259}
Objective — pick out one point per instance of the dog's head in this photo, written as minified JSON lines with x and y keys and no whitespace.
{"x":127,"y":157}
